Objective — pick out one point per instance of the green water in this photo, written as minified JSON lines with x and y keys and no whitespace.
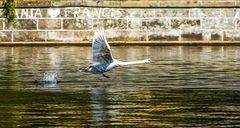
{"x":182,"y":87}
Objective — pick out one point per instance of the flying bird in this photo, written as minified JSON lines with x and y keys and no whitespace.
{"x":103,"y":60}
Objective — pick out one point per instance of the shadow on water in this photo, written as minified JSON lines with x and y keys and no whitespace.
{"x":184,"y":87}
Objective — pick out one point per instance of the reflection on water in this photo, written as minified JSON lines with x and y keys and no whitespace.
{"x":183,"y":87}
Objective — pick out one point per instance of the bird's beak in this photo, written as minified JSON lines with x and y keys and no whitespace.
{"x":83,"y":70}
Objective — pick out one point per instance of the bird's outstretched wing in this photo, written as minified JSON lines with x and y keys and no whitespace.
{"x":100,"y":48}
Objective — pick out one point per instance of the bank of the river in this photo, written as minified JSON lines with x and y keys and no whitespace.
{"x":152,"y":22}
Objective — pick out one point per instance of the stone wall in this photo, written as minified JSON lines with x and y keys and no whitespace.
{"x":158,"y":22}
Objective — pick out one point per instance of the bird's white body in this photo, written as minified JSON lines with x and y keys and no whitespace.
{"x":103,"y":60}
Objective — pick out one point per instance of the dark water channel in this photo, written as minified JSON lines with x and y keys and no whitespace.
{"x":182,"y":87}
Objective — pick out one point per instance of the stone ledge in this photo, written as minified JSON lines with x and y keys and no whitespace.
{"x":128,"y":3}
{"x":132,"y":43}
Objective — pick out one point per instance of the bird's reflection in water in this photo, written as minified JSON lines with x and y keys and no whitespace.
{"x":99,"y":105}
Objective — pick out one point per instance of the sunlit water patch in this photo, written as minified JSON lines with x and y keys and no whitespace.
{"x":182,"y":87}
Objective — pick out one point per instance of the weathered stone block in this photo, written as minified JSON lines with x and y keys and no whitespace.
{"x":29,"y":36}
{"x":148,"y":13}
{"x":172,"y":12}
{"x":110,"y":23}
{"x":60,"y":36}
{"x":45,"y":3}
{"x":228,"y":12}
{"x":149,"y":24}
{"x":77,"y":24}
{"x":83,"y":36}
{"x":185,"y":24}
{"x":212,"y":23}
{"x":212,"y":35}
{"x":118,"y":3}
{"x":181,"y":3}
{"x":126,"y":35}
{"x":133,"y":13}
{"x":164,"y":36}
{"x":121,"y":13}
{"x":49,"y":24}
{"x":219,"y":3}
{"x":191,"y":36}
{"x":1,"y":16}
{"x":231,"y":35}
{"x":200,"y":12}
{"x":238,"y":12}
{"x":71,"y":12}
{"x":5,"y":36}
{"x":216,"y":37}
{"x":108,"y":3}
{"x":67,"y":3}
{"x":23,"y":24}
{"x":1,"y":24}
{"x":216,"y":12}
{"x":139,"y":4}
{"x":238,"y":3}
{"x":218,"y":23}
{"x":139,"y":13}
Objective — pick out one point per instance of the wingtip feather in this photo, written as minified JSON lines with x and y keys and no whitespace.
{"x":99,"y":33}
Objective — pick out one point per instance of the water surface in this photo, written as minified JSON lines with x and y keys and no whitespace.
{"x":182,"y":87}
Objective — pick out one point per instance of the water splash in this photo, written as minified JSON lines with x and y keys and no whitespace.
{"x":49,"y":77}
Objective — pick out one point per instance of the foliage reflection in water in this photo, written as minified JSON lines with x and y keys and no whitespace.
{"x":183,"y":87}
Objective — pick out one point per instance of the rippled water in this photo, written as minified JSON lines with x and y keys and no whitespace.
{"x":182,"y":87}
